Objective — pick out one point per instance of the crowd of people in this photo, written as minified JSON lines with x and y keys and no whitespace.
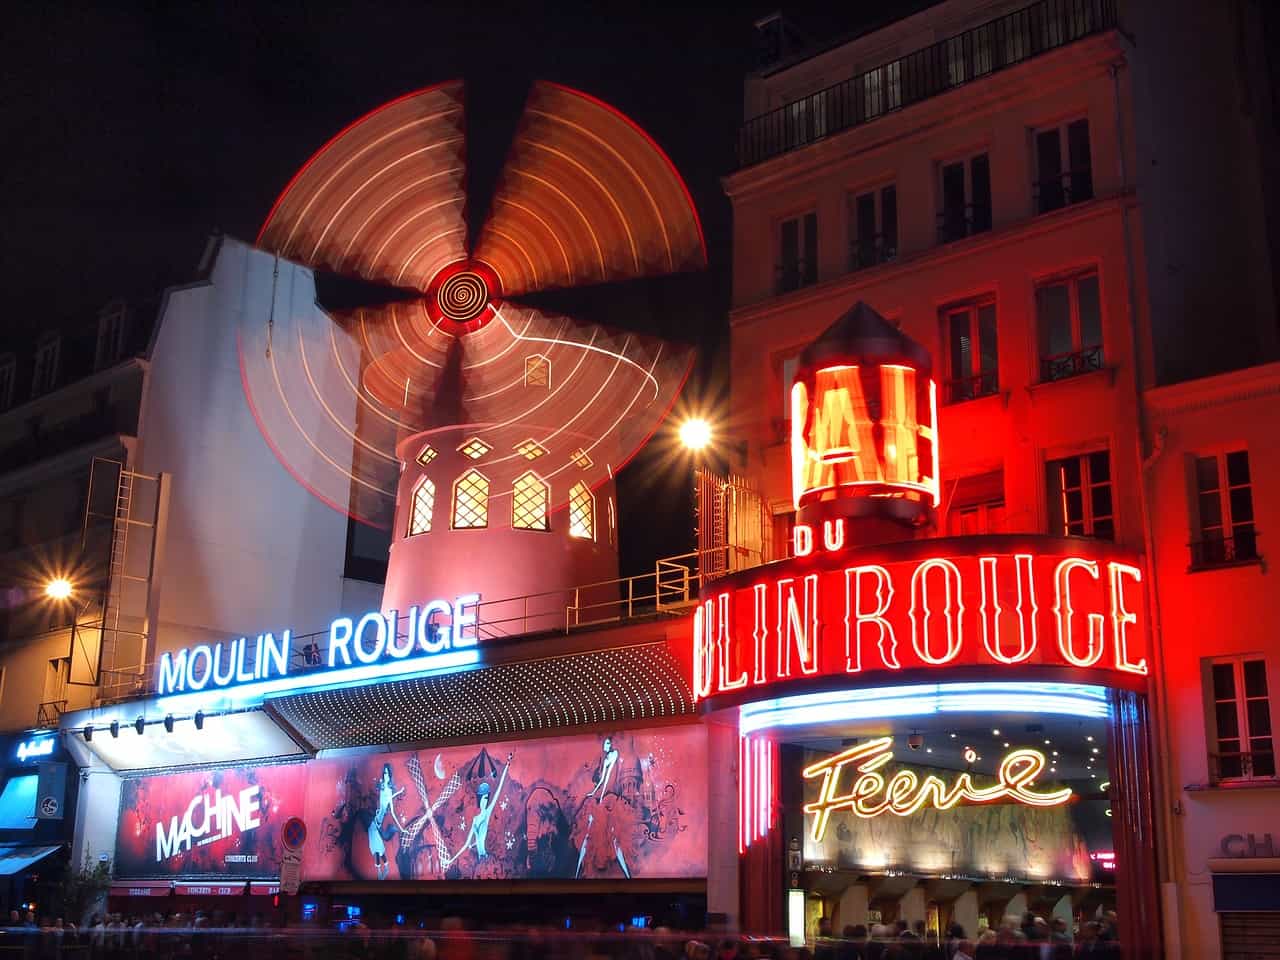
{"x":218,"y":936}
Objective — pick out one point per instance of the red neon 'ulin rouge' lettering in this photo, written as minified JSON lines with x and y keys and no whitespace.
{"x":761,"y":634}
{"x":796,"y":631}
{"x":1121,"y":618}
{"x":703,"y":650}
{"x":857,"y":615}
{"x":922,"y":613}
{"x":802,"y":540}
{"x":991,"y":610}
{"x":725,"y":642}
{"x":1063,"y":611}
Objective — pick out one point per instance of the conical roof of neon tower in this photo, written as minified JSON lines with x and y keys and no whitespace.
{"x":585,"y":200}
{"x":861,"y":334}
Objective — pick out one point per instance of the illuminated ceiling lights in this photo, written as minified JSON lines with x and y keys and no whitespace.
{"x":927,"y":699}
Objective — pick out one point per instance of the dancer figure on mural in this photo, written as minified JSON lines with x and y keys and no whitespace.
{"x":478,"y":835}
{"x":600,"y":823}
{"x":380,"y":831}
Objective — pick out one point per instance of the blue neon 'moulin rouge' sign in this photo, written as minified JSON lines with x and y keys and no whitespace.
{"x":366,"y":648}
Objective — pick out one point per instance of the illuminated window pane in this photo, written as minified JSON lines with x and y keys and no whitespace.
{"x":428,"y":454}
{"x":580,"y":459}
{"x":424,"y":501}
{"x":530,"y":449}
{"x":471,"y":501}
{"x":474,"y":449}
{"x":1080,"y":502}
{"x":582,"y":512}
{"x":537,"y":371}
{"x":529,"y":498}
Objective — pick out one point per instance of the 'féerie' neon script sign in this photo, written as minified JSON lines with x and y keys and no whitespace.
{"x":371,"y":643}
{"x":990,"y":602}
{"x":872,"y":793}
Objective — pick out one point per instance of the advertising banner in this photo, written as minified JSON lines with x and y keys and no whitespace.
{"x":633,"y":804}
{"x":208,"y":823}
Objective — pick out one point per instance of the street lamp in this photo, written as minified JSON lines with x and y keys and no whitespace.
{"x":58,"y":588}
{"x":695,"y":433}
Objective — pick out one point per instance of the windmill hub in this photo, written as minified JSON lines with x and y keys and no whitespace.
{"x":464,"y":295}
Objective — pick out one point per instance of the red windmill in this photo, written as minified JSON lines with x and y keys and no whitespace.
{"x":484,"y":429}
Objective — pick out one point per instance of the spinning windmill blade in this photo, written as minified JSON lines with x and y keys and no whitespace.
{"x":585,"y":200}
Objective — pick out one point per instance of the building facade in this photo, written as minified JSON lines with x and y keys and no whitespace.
{"x":1010,"y":185}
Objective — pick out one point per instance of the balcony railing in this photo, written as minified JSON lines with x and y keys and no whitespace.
{"x":871,"y":251}
{"x":1225,"y":551}
{"x":1074,"y":186}
{"x":971,"y":388}
{"x":960,"y":223}
{"x":1258,"y":765}
{"x":989,"y":48}
{"x":1062,"y":366}
{"x":795,"y":274}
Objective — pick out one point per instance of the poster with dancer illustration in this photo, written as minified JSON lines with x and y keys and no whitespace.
{"x":617,"y":805}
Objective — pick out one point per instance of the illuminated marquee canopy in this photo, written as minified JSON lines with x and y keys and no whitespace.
{"x":1071,"y":607}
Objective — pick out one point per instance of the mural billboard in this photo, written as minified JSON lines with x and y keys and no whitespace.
{"x":207,"y":823}
{"x":630,"y":804}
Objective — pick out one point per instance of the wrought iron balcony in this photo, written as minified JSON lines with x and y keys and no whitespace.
{"x":1062,"y":366}
{"x":870,"y":251}
{"x":794,"y":274}
{"x":1225,"y":551}
{"x":1074,"y":186}
{"x":963,"y":222}
{"x":964,"y":58}
{"x":971,"y":388}
{"x":1258,"y":765}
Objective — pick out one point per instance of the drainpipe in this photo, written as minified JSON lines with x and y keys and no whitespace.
{"x":1165,"y":801}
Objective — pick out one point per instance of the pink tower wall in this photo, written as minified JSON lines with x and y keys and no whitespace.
{"x":525,"y":578}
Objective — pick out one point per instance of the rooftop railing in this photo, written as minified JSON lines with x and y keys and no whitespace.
{"x":954,"y":62}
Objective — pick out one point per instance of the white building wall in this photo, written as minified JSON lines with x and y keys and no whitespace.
{"x":247,"y":549}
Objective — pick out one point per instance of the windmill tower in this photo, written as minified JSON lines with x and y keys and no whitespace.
{"x":488,"y":429}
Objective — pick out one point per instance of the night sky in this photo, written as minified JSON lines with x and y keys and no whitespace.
{"x":132,"y":131}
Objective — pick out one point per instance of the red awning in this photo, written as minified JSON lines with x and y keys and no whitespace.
{"x":210,"y":889}
{"x":142,"y":888}
{"x":264,"y":889}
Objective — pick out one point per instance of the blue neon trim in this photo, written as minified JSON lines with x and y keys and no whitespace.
{"x":926,"y":699}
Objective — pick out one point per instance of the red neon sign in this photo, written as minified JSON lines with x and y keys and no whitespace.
{"x":994,"y":602}
{"x":866,"y":430}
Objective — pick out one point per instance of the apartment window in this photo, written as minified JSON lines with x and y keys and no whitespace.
{"x":1080,"y":501}
{"x":798,"y":253}
{"x":44,"y":376}
{"x":471,"y":501}
{"x":873,"y":227}
{"x":1242,"y":720}
{"x":976,"y":505}
{"x":423,"y":502}
{"x":1224,"y":511}
{"x":8,"y":374}
{"x":111,"y":330}
{"x":966,"y":198}
{"x":582,"y":512}
{"x":1064,"y":168}
{"x":969,"y":331}
{"x":529,"y":498}
{"x":1069,"y":318}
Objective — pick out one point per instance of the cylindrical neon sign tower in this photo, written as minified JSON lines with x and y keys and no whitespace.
{"x":864,"y":425}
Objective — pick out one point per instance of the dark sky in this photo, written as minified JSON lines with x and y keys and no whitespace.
{"x":133,"y":131}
